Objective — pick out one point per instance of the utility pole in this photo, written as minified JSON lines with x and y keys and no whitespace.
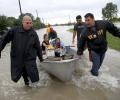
{"x":20,"y":7}
{"x":69,"y":20}
{"x":39,"y":19}
{"x":43,"y":20}
{"x":37,"y":13}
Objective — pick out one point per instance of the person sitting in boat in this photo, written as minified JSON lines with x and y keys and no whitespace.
{"x":48,"y":29}
{"x":45,"y":43}
{"x":52,"y":34}
{"x":59,"y":48}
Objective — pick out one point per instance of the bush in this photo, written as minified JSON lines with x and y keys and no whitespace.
{"x":3,"y":24}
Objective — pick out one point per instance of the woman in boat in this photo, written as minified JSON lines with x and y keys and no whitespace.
{"x":45,"y":43}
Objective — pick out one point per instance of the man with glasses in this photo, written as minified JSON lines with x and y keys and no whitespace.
{"x":94,"y":33}
{"x":78,"y":29}
{"x":25,"y":46}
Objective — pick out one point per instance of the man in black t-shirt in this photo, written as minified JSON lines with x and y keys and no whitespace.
{"x":78,"y":29}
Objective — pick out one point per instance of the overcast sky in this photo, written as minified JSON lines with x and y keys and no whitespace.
{"x":55,"y":11}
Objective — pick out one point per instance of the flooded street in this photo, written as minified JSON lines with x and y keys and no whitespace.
{"x":83,"y":86}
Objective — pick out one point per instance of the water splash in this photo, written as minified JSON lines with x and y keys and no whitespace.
{"x":104,"y":80}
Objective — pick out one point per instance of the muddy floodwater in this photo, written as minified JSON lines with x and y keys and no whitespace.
{"x":83,"y":85}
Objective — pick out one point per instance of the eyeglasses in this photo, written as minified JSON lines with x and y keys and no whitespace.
{"x":28,"y":22}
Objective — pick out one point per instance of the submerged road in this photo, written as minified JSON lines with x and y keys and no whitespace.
{"x":83,"y":86}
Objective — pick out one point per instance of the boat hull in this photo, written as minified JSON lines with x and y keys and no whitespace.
{"x":62,"y":69}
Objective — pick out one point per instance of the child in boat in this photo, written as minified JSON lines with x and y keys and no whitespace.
{"x":45,"y":43}
{"x":59,"y":48}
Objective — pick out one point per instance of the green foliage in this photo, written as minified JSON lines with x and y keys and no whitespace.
{"x":38,"y":24}
{"x":71,"y":30}
{"x":116,"y":20}
{"x":113,"y":42}
{"x":29,"y":14}
{"x":3,"y":24}
{"x":109,"y":11}
{"x":11,"y":22}
{"x":17,"y":22}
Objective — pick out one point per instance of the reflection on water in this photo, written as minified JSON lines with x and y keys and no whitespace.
{"x":118,"y":25}
{"x":82,"y":87}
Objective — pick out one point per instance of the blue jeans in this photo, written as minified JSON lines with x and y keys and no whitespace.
{"x":97,"y":60}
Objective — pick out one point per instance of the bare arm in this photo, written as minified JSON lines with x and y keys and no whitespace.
{"x":74,"y":35}
{"x":45,"y":45}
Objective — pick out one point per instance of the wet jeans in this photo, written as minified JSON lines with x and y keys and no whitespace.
{"x":97,"y":60}
{"x":78,"y":43}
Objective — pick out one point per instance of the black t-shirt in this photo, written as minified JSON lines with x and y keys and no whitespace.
{"x":78,"y":28}
{"x":52,"y":35}
{"x":43,"y":47}
{"x":98,"y":43}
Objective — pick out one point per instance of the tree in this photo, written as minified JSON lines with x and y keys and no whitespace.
{"x":109,"y":11}
{"x":11,"y":21}
{"x":29,"y":14}
{"x":38,"y":24}
{"x":18,"y":21}
{"x":3,"y":24}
